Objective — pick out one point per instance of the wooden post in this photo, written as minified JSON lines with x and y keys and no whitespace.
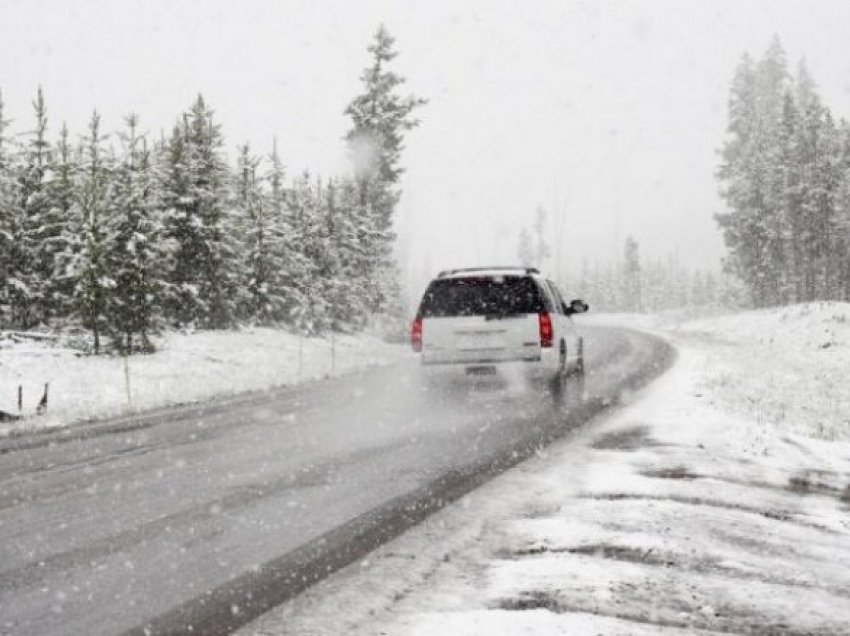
{"x":333,"y":352}
{"x":41,"y":408}
{"x":300,"y":355}
{"x":127,"y":382}
{"x":20,"y":398}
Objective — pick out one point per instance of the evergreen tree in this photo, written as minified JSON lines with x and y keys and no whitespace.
{"x":632,"y":276}
{"x":325,"y":262}
{"x":783,"y":177}
{"x":752,"y":175}
{"x":30,"y":262}
{"x":137,"y":253}
{"x":525,"y":249}
{"x":309,"y":316}
{"x":380,"y":116}
{"x":118,"y":243}
{"x":841,"y":241}
{"x":91,"y":295}
{"x":289,"y":262}
{"x":352,"y":304}
{"x":263,"y":236}
{"x":7,"y":219}
{"x":205,"y":274}
{"x":63,"y":214}
{"x":541,"y":247}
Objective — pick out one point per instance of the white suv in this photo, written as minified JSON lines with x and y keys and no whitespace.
{"x":481,"y":318}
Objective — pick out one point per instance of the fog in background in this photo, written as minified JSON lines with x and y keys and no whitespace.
{"x":608,"y":114}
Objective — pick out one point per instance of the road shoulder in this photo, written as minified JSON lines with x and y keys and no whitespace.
{"x":675,"y":515}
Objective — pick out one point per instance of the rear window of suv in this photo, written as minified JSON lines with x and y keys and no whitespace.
{"x":481,"y":296}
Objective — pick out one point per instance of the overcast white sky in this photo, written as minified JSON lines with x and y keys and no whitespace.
{"x":608,"y":114}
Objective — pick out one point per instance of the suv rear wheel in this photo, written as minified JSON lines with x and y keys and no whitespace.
{"x":557,"y":382}
{"x":579,"y":370}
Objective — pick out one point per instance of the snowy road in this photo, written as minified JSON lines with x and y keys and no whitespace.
{"x":207,"y":517}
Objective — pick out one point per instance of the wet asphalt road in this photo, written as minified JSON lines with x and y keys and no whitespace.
{"x":207,"y":516}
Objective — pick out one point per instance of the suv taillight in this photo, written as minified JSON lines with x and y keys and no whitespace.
{"x":416,"y":335}
{"x":546,"y":335}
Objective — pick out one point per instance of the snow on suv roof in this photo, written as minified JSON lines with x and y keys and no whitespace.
{"x":487,"y":271}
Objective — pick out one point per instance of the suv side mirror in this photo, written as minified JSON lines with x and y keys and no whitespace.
{"x":576,"y":307}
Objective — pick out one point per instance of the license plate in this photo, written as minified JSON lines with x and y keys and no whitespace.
{"x":479,"y":341}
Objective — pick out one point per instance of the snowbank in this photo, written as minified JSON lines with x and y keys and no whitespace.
{"x":700,"y":508}
{"x":786,"y":366}
{"x":187,"y":368}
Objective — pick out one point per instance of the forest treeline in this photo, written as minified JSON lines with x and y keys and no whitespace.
{"x":652,"y":285}
{"x":785,"y":176}
{"x":632,"y":283}
{"x":123,"y":233}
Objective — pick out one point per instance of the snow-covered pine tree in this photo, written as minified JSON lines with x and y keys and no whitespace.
{"x":380,"y":116}
{"x":698,"y":295}
{"x":525,"y":249}
{"x":205,"y":274}
{"x":828,"y":183}
{"x":631,"y":281}
{"x":751,"y":175}
{"x":841,"y":246}
{"x":816,"y":187}
{"x":310,"y":315}
{"x":7,"y":218}
{"x":262,"y":236}
{"x":325,"y":257}
{"x":8,"y":221}
{"x":542,"y":250}
{"x":789,"y":149}
{"x":61,"y":192}
{"x":344,"y":284}
{"x":30,"y":259}
{"x":782,"y":177}
{"x":733,"y":172}
{"x":288,"y":260}
{"x":94,"y":285}
{"x":137,"y":254}
{"x":767,"y":176}
{"x":351,"y":236}
{"x":710,"y":285}
{"x":806,"y":139}
{"x":51,"y":200}
{"x":182,"y":304}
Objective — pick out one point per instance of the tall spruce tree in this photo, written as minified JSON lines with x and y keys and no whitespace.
{"x":632,"y":276}
{"x":91,"y":295}
{"x":311,"y":315}
{"x":525,"y":249}
{"x":380,"y":116}
{"x":342,"y":284}
{"x":352,"y":307}
{"x":542,"y":251}
{"x":30,"y":257}
{"x":751,"y":174}
{"x":64,"y":217}
{"x":7,"y":219}
{"x":205,"y":274}
{"x":783,"y":176}
{"x":137,"y":253}
{"x":263,"y":237}
{"x":289,"y":259}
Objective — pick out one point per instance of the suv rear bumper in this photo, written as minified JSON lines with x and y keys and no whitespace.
{"x":543,"y":359}
{"x":471,"y":362}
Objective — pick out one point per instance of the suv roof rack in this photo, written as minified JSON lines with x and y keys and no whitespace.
{"x":449,"y":272}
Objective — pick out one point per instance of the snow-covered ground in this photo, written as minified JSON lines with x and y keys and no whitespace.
{"x":718,"y":501}
{"x":186,"y":368}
